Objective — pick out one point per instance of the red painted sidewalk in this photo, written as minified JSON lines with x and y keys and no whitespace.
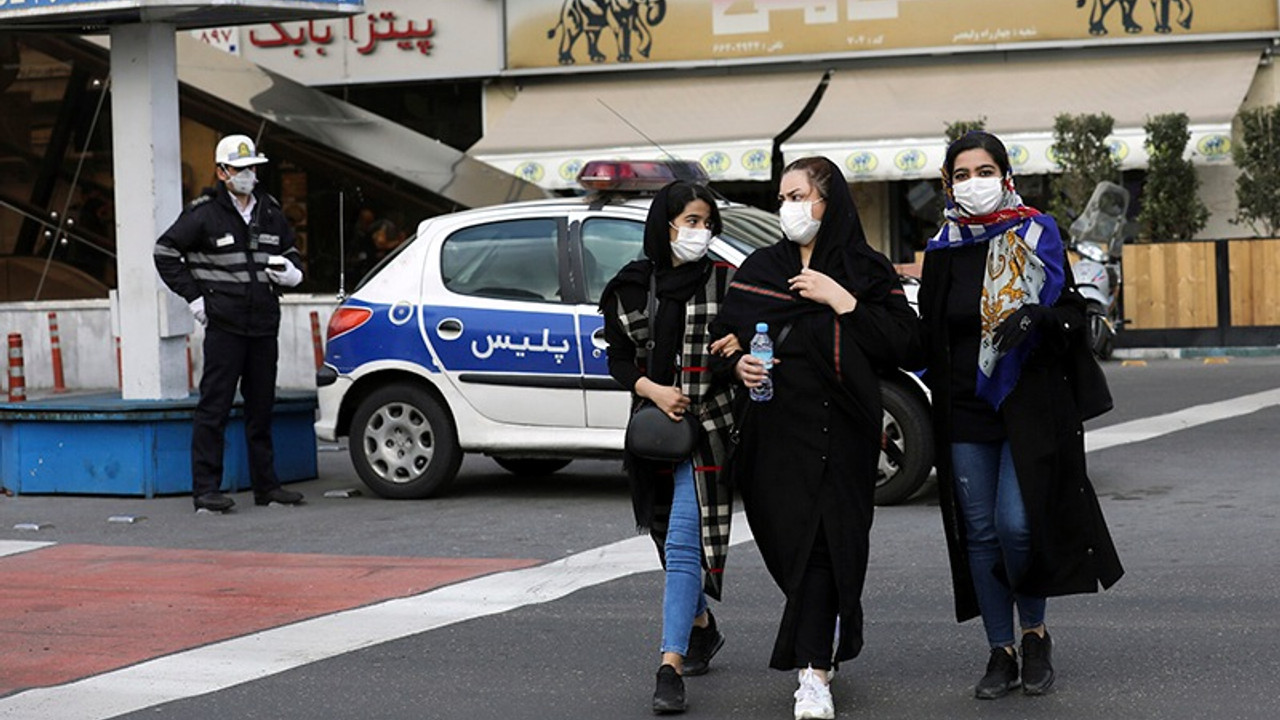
{"x":69,"y":611}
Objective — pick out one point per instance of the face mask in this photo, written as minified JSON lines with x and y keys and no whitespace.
{"x":797,"y":222}
{"x":980,"y":195}
{"x":243,"y":182}
{"x":690,"y":244}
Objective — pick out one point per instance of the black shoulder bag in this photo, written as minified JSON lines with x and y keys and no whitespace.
{"x":651,"y":433}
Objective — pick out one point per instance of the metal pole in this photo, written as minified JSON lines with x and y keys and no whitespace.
{"x":342,"y":246}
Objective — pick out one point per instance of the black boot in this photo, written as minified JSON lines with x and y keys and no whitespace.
{"x":704,"y":643}
{"x":1001,"y":677}
{"x":668,"y":696}
{"x":1037,"y":663}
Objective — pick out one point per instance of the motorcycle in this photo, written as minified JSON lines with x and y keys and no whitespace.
{"x":1098,"y":237}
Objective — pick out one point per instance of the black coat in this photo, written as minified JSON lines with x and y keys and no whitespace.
{"x":211,"y":252}
{"x":808,"y":458}
{"x":1072,"y":551}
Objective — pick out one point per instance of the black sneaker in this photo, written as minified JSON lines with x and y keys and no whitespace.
{"x":1001,"y":677}
{"x":1037,"y":663}
{"x":668,"y":696}
{"x":214,"y":501}
{"x":704,"y":643}
{"x":278,"y":495}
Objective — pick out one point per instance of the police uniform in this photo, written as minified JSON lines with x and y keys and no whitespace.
{"x":211,"y":252}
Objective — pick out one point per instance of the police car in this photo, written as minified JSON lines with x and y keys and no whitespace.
{"x":481,"y":335}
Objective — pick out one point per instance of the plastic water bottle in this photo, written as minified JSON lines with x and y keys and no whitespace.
{"x":762,"y":348}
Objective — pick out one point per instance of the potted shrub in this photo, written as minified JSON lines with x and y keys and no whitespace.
{"x":1081,"y":149}
{"x":1257,"y":155}
{"x":1171,"y":209}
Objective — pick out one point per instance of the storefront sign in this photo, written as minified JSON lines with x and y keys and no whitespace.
{"x":1029,"y":153}
{"x":561,"y":33}
{"x":392,"y":40}
{"x":55,"y":13}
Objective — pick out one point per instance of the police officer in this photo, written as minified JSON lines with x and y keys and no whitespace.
{"x":228,"y":254}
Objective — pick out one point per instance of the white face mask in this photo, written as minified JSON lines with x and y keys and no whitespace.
{"x":979,"y":195}
{"x":797,"y":221}
{"x":243,"y":182}
{"x":690,"y":244}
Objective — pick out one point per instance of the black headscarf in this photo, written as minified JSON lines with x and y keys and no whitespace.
{"x":675,"y":284}
{"x":840,"y":250}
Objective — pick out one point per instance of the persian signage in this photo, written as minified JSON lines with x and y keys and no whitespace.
{"x":69,"y":14}
{"x":553,"y":33}
{"x":393,"y":40}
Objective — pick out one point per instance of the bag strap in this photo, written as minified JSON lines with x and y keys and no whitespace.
{"x":651,"y":308}
{"x":651,"y":314}
{"x":782,"y":336}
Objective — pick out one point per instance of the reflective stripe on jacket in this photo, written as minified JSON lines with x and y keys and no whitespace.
{"x":211,"y":252}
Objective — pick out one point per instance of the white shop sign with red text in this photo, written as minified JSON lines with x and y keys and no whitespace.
{"x":392,"y":40}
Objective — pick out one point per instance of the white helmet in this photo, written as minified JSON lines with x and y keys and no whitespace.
{"x":237,"y":151}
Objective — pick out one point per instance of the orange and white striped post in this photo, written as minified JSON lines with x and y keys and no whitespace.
{"x":17,"y":382}
{"x":317,"y":345}
{"x":55,"y":345}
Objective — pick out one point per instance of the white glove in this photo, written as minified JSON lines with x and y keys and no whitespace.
{"x":197,"y":311}
{"x":290,"y":276}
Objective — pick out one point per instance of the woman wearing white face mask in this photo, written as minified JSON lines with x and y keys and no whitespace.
{"x":1000,"y":317}
{"x":806,"y":466}
{"x":666,"y":359}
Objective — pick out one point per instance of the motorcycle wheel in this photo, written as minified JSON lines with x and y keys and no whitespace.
{"x":1101,"y":336}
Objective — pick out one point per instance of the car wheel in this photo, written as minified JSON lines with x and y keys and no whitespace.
{"x":532,"y":467}
{"x":403,"y":443}
{"x":906,"y":454}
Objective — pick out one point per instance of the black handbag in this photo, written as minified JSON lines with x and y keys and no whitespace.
{"x":1088,"y":382}
{"x":651,"y":433}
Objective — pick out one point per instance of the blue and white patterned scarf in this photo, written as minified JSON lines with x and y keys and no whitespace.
{"x":1025,"y":264}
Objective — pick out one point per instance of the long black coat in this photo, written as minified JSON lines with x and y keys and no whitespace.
{"x":1071,"y":549}
{"x":808,"y":458}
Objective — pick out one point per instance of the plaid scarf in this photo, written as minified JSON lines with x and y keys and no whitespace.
{"x":714,"y":410}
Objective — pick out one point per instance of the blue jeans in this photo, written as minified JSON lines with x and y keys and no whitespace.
{"x":682,"y":598}
{"x":996,"y":527}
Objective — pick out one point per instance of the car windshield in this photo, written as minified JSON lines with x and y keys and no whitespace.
{"x":748,"y":229}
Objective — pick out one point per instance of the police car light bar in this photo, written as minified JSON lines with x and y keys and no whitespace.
{"x":638,"y":175}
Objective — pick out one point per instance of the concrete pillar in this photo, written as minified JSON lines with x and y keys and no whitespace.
{"x":148,"y":194}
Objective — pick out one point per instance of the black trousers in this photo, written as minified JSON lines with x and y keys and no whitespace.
{"x":819,"y":605}
{"x":250,"y":362}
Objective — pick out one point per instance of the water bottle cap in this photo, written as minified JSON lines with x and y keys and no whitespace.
{"x":762,"y":327}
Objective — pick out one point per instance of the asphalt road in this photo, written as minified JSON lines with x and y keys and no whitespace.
{"x":1189,"y":632}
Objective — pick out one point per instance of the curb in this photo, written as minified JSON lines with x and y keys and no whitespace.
{"x":1194,"y":352}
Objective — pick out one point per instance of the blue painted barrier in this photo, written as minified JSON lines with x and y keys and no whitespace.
{"x":100,"y":444}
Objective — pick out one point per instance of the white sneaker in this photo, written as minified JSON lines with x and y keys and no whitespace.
{"x":813,"y":698}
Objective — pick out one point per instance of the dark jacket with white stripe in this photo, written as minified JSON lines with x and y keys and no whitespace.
{"x":211,"y":252}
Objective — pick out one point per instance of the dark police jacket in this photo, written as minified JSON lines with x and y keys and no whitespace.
{"x":210,"y":252}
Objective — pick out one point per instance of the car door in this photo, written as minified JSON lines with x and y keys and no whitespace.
{"x":606,"y":242}
{"x":500,"y":324}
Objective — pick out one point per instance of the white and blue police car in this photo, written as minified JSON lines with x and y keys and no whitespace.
{"x":480,"y":334}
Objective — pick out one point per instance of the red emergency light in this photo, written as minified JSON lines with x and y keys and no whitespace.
{"x":638,"y":175}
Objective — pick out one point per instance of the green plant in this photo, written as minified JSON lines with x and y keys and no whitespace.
{"x":959,"y":128}
{"x":1257,"y":155}
{"x":1171,"y":209}
{"x":1081,"y":149}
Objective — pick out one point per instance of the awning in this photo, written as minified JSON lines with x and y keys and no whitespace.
{"x":725,"y":121}
{"x":879,"y":123}
{"x":888,"y":122}
{"x":342,"y":128}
